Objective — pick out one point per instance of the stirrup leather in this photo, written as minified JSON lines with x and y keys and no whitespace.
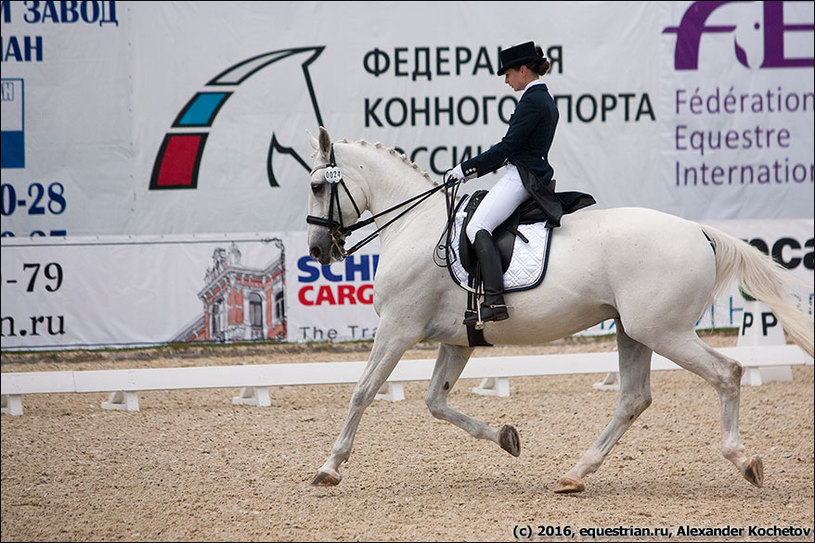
{"x":490,"y":274}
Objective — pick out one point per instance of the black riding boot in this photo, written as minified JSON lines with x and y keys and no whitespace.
{"x":493,"y":307}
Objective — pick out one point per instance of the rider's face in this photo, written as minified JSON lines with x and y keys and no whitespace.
{"x":516,"y":78}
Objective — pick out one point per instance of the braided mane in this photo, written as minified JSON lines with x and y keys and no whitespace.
{"x":391,"y":151}
{"x":395,"y":153}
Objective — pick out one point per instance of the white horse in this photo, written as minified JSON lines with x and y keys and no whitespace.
{"x":627,"y":264}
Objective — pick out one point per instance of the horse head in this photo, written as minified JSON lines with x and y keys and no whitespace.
{"x":348,"y":178}
{"x":333,"y":203}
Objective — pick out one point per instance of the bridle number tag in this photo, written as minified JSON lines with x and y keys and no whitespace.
{"x":333,"y":175}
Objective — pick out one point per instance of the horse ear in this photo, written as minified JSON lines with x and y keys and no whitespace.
{"x":325,"y":142}
{"x":312,"y":141}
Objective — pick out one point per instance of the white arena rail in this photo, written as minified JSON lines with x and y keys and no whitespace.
{"x":762,"y":364}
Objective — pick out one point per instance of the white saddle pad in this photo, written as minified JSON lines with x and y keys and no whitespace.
{"x":528,"y":264}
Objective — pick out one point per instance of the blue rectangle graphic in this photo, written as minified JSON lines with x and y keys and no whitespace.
{"x":12,"y":145}
{"x":12,"y":150}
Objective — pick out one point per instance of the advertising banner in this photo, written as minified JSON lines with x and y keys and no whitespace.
{"x":91,"y":293}
{"x":97,"y":292}
{"x":736,"y":109}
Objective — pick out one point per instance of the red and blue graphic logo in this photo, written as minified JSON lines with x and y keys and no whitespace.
{"x":179,"y":157}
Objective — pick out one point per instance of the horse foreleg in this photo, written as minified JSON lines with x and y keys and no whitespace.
{"x":385,"y":354}
{"x":449,"y":365}
{"x":635,"y":397}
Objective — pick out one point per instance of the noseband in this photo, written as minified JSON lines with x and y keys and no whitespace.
{"x":337,"y":230}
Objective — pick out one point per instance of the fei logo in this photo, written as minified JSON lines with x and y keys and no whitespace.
{"x":775,"y":29}
{"x":179,"y":157}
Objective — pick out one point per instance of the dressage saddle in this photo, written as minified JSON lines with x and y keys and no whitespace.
{"x":504,"y":235}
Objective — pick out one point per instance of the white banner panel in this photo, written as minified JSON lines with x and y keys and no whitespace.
{"x":437,"y":102}
{"x":736,"y":109}
{"x":105,"y":292}
{"x":69,"y":170}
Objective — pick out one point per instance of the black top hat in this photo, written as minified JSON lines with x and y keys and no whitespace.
{"x":518,"y":55}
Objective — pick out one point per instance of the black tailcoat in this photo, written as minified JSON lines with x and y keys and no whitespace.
{"x":526,"y":145}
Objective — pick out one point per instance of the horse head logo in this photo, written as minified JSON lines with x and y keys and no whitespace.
{"x":179,"y":157}
{"x":774,"y":27}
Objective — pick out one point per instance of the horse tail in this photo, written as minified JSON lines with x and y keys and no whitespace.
{"x":763,"y":279}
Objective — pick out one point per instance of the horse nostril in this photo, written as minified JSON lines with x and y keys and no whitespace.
{"x":315,"y":253}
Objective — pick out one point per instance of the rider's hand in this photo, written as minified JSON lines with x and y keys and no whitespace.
{"x":458,"y":174}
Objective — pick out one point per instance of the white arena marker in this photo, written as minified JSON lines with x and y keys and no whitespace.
{"x":493,"y":386}
{"x":760,"y":327}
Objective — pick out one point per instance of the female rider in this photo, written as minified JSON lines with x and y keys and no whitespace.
{"x":524,"y":151}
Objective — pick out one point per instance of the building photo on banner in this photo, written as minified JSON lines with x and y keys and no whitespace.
{"x":156,"y":159}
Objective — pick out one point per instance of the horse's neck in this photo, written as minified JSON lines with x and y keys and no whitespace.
{"x":392,"y":181}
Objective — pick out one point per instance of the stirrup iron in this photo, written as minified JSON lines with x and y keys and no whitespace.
{"x":479,"y":322}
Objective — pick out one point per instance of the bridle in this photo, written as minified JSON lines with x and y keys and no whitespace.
{"x":336,"y":229}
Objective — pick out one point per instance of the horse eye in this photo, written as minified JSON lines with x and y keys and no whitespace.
{"x":317,"y":188}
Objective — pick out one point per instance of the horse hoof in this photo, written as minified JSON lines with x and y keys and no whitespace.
{"x":754,"y":471}
{"x":326,"y":479}
{"x":569,"y":485}
{"x":509,"y":440}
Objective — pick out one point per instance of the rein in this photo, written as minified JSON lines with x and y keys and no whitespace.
{"x":337,"y":230}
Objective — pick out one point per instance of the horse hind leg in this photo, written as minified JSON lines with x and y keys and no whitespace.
{"x":723,"y":374}
{"x":449,"y":365}
{"x":634,"y":398}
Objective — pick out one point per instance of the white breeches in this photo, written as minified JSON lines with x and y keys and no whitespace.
{"x":499,"y":203}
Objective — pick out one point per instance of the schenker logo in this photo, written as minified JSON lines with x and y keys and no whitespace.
{"x":774,"y":29}
{"x":349,"y":282}
{"x":179,"y":157}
